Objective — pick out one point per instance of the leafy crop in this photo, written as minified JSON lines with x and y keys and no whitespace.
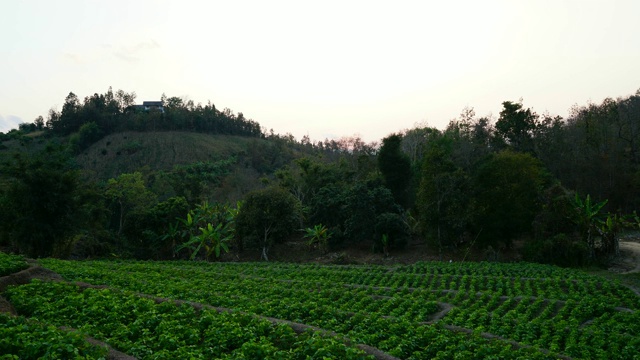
{"x":145,"y":329}
{"x":545,"y":309}
{"x":23,"y":339}
{"x":10,"y":264}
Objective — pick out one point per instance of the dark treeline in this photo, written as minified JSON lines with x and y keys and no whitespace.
{"x":560,"y":189}
{"x":116,"y":112}
{"x":567,"y":185}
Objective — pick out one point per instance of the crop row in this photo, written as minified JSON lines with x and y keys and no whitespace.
{"x":504,"y":279}
{"x":10,"y":264}
{"x":574,"y":286}
{"x":148,"y":330}
{"x":24,"y":339}
{"x":390,"y":318}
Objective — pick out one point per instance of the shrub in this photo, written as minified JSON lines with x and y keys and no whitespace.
{"x":561,"y":249}
{"x":392,"y":230}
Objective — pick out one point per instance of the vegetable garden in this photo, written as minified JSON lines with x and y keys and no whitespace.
{"x":165,"y":310}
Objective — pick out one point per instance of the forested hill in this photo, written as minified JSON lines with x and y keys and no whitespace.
{"x":103,"y":114}
{"x":104,"y":176}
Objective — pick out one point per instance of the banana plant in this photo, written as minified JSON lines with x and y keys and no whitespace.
{"x":385,"y":244}
{"x":209,"y":228}
{"x":319,"y":235}
{"x":214,"y":239}
{"x":588,"y":218}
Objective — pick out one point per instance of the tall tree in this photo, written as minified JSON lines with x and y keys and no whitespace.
{"x":508,"y":189}
{"x":444,"y":196}
{"x":516,"y":125}
{"x":70,"y":117}
{"x":40,"y":202}
{"x":395,"y":167}
{"x":130,"y":194}
{"x":268,"y":215}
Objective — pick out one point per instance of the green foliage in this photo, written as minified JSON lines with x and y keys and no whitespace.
{"x":156,"y":229}
{"x":129,"y":194}
{"x":598,"y":230}
{"x":88,"y":134}
{"x":364,"y":202}
{"x":10,"y":264}
{"x":561,"y":249}
{"x":566,"y":311}
{"x":395,"y":167}
{"x":508,"y":190}
{"x":268,"y":215}
{"x":318,"y":235}
{"x":445,"y":199}
{"x":516,"y":125}
{"x":144,"y":329}
{"x":21,"y":338}
{"x":40,"y":202}
{"x":196,"y":181}
{"x":555,"y":213}
{"x":208,"y":228}
{"x":572,"y":231}
{"x":113,"y":112}
{"x":587,"y":217}
{"x":391,"y":232}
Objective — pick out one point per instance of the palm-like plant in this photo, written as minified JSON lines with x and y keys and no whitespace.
{"x":210,"y":228}
{"x":589,"y":219}
{"x":318,"y":235}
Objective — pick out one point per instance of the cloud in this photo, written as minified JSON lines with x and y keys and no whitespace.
{"x":10,"y":122}
{"x":133,"y":53}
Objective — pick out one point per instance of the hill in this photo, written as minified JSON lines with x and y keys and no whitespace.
{"x":130,"y":151}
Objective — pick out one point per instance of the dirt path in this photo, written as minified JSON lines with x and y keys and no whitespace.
{"x":629,"y":261}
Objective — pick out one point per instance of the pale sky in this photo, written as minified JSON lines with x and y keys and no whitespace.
{"x":324,"y":68}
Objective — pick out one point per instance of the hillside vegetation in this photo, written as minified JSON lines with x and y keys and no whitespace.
{"x":128,"y":152}
{"x":105,"y":178}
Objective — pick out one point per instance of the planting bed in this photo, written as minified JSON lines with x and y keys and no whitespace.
{"x":271,"y":310}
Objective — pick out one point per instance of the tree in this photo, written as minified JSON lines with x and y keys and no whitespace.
{"x":39,"y":122}
{"x":88,"y":134}
{"x":516,"y":125}
{"x":508,"y":188}
{"x":444,"y":196}
{"x":70,"y":119}
{"x":268,"y":215}
{"x":364,"y":201}
{"x":129,"y":193}
{"x":395,"y":167}
{"x":40,"y":202}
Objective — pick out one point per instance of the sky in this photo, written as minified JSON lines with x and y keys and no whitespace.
{"x":325,"y":69}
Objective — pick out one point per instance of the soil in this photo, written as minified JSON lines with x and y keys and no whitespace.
{"x":297,"y":251}
{"x":629,"y":260}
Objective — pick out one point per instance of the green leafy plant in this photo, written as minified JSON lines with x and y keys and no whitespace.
{"x":318,"y":235}
{"x":208,"y":227}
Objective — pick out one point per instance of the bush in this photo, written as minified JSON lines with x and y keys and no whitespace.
{"x":561,"y":249}
{"x":394,"y":228}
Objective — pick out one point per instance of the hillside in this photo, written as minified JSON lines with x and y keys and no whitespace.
{"x":130,"y":151}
